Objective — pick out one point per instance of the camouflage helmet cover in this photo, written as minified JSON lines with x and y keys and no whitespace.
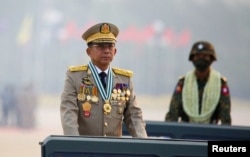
{"x":202,"y":47}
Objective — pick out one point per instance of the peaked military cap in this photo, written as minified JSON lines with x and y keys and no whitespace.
{"x":202,"y":47}
{"x":101,"y":33}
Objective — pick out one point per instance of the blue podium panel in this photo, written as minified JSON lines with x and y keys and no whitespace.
{"x":85,"y":146}
{"x":195,"y":131}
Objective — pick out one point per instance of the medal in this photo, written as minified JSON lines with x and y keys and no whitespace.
{"x":113,"y":96}
{"x":128,"y":92}
{"x":123,"y":98}
{"x":119,"y":91}
{"x":86,"y":107}
{"x":118,"y":98}
{"x":81,"y":96}
{"x":94,"y":97}
{"x":105,"y":93}
{"x":107,"y":107}
{"x":88,"y":97}
{"x":114,"y":91}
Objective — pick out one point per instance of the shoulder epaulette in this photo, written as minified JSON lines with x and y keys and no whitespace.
{"x":128,"y":73}
{"x":224,"y":79}
{"x":78,"y":68}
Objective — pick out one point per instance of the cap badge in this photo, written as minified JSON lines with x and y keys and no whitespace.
{"x":200,"y":46}
{"x":105,"y":28}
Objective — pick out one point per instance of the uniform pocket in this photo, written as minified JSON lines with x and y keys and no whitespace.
{"x":117,"y":109}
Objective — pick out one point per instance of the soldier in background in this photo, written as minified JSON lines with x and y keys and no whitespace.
{"x":98,"y":98}
{"x":27,"y":103}
{"x":202,"y":95}
{"x":9,"y":115}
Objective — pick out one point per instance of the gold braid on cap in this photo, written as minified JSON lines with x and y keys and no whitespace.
{"x":102,"y":32}
{"x":101,"y":37}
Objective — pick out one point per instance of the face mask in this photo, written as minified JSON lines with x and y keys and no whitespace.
{"x":202,"y":64}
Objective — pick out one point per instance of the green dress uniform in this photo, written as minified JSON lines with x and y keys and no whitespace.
{"x":220,"y":113}
{"x":84,"y":112}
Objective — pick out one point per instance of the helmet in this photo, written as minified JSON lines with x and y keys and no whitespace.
{"x":202,"y":47}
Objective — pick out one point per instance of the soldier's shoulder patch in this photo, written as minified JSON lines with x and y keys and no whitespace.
{"x":78,"y":68}
{"x":125,"y":72}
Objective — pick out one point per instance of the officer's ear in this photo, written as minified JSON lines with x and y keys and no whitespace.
{"x":88,"y":51}
{"x":115,"y":51}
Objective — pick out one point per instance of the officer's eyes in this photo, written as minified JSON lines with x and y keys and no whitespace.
{"x":103,"y":46}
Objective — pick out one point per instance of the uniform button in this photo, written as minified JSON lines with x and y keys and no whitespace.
{"x":106,"y":124}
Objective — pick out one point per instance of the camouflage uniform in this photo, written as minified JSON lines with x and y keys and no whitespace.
{"x":222,"y":112}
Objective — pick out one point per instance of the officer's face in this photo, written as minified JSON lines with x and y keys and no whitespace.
{"x":202,"y":61}
{"x":102,"y":54}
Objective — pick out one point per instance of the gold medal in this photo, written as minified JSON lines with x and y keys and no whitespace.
{"x":114,"y":91}
{"x":81,"y":96}
{"x":107,"y":107}
{"x":94,"y":99}
{"x":123,"y":98}
{"x":122,"y":93}
{"x":128,"y":92}
{"x":113,"y":96}
{"x":119,"y":91}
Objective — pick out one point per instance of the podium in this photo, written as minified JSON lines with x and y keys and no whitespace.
{"x":86,"y":146}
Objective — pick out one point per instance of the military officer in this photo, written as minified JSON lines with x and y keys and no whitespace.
{"x":202,"y":95}
{"x":98,"y":98}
